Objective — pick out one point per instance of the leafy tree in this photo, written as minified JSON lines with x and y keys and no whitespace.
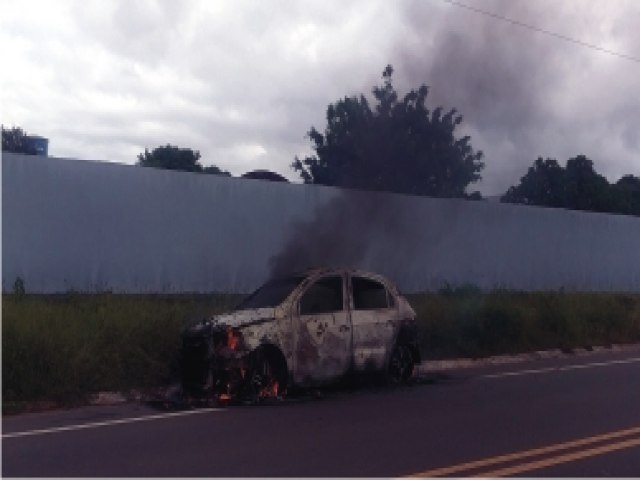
{"x":584,"y":188}
{"x":265,"y":175}
{"x":542,"y":185}
{"x":396,"y":145}
{"x":170,"y":157}
{"x":213,"y":170}
{"x":577,"y":186}
{"x":627,"y":195}
{"x":14,"y":140}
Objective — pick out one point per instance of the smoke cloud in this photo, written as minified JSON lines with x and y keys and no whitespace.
{"x":521,"y":92}
{"x":345,"y":232}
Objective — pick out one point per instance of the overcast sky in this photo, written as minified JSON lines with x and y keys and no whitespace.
{"x":242,"y":82}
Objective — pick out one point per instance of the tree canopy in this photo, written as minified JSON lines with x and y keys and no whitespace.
{"x":577,"y":186}
{"x":627,"y":195}
{"x":170,"y":157}
{"x":265,"y":175}
{"x":14,"y":140}
{"x":396,"y":144}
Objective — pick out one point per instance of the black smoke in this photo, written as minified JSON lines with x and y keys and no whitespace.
{"x":520,"y":91}
{"x":346,"y":231}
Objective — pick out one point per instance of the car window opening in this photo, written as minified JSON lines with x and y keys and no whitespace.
{"x":368,"y":294}
{"x":272,"y":293}
{"x":324,"y":296}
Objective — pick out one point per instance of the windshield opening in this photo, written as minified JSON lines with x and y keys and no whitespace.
{"x":272,"y":293}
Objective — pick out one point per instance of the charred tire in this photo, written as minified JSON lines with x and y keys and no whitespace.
{"x":401,"y":364}
{"x":267,"y":376}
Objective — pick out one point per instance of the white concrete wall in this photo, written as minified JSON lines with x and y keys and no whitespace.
{"x":87,"y":226}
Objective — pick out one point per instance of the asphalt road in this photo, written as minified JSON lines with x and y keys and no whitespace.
{"x":575,"y":416}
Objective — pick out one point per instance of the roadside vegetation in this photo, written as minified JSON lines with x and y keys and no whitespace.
{"x":63,"y":348}
{"x":465,"y":322}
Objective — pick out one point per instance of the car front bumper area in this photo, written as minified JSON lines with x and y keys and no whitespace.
{"x":212,"y":367}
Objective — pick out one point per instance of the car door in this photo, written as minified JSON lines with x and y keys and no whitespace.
{"x":322,"y":332}
{"x":374,"y":319}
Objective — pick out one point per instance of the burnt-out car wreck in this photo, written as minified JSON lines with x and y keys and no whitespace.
{"x":304,"y":330}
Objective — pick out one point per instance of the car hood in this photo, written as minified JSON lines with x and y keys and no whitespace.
{"x":243,"y":318}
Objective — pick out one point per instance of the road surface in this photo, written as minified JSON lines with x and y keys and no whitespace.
{"x":574,"y":416}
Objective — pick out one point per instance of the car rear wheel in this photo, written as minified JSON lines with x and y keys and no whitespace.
{"x":401,"y":364}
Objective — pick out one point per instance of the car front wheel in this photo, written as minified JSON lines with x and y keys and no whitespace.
{"x":266,"y":378}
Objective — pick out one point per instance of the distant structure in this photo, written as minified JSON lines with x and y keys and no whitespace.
{"x":265,"y":175}
{"x":37,"y":145}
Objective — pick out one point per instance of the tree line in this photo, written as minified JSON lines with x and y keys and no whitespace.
{"x":577,"y":186}
{"x":167,"y":157}
{"x":170,"y":157}
{"x":397,"y":144}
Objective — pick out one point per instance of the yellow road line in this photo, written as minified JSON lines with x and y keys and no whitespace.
{"x":569,"y":457}
{"x":526,"y":453}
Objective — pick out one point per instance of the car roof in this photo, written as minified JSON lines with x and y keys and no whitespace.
{"x":318,"y":271}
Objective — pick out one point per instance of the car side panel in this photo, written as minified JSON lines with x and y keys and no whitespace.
{"x":373,"y":333}
{"x":322,"y":348}
{"x":322,"y":344}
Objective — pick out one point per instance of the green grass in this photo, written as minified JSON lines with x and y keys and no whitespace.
{"x":468,"y":323}
{"x":62,"y":348}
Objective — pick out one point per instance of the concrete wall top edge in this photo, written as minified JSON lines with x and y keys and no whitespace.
{"x":91,"y":164}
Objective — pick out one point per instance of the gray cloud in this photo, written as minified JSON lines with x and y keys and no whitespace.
{"x":522,"y":93}
{"x":243,"y":83}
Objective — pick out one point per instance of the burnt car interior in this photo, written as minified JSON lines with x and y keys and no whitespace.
{"x":369,"y":294}
{"x":271,"y":293}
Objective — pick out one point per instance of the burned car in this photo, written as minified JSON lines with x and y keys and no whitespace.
{"x":303,"y":330}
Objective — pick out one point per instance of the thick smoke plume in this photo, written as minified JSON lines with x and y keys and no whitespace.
{"x":344,"y":232}
{"x":520,"y":97}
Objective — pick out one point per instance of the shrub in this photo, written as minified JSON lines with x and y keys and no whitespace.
{"x":18,"y":287}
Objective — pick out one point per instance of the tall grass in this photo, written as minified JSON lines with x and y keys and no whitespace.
{"x":65,"y":347}
{"x":467,"y":323}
